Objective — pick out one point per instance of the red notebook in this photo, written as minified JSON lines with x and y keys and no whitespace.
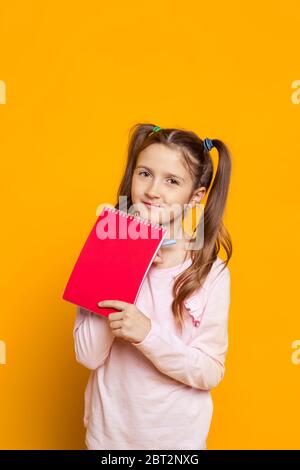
{"x":114,"y":260}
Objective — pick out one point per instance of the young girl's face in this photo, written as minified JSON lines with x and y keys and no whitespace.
{"x":161,"y":180}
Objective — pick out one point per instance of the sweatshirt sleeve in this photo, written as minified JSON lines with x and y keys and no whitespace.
{"x":92,"y":337}
{"x":201,"y":363}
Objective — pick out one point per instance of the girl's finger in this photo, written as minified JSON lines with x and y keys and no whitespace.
{"x":158,"y":258}
{"x":115,"y":324}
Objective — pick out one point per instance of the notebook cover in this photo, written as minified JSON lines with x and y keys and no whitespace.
{"x":114,"y":260}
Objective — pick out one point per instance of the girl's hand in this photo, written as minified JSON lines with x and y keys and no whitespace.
{"x":159,"y":258}
{"x":129,"y":324}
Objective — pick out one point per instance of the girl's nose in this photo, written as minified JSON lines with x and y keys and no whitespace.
{"x":153,"y":191}
{"x":152,"y":195}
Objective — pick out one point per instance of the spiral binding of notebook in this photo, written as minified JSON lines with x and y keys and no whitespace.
{"x":114,"y":268}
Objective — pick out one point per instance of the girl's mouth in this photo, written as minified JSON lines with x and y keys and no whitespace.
{"x":151,"y":205}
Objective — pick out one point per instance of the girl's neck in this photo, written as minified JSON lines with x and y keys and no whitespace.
{"x":175,"y":254}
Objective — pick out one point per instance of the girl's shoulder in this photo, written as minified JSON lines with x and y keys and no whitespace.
{"x":197,"y":301}
{"x":217,"y":270}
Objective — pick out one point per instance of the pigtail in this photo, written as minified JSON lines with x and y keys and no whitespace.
{"x":215,"y":231}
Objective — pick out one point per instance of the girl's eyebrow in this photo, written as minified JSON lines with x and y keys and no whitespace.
{"x":166,"y":174}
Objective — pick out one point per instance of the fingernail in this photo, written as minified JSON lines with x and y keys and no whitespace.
{"x":99,"y":304}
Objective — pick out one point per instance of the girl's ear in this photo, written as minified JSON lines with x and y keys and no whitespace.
{"x":197,"y":196}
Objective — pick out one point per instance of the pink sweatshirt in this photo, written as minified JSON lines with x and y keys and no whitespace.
{"x":156,"y":394}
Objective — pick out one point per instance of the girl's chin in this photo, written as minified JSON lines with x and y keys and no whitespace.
{"x":154,"y":216}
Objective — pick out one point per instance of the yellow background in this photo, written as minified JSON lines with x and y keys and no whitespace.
{"x":78,"y":75}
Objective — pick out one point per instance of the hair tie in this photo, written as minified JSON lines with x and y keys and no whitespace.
{"x":156,"y":128}
{"x":208,"y":145}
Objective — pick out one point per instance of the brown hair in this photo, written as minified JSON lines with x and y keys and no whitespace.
{"x":200,"y":165}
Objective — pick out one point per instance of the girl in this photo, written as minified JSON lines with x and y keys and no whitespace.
{"x":154,"y":363}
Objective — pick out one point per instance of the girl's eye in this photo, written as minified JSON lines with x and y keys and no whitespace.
{"x":143,"y":172}
{"x":176,"y":182}
{"x":172,"y":179}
